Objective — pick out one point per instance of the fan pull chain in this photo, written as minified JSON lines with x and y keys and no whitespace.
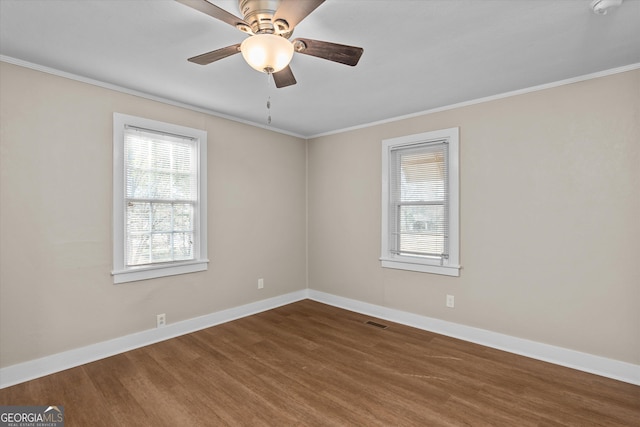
{"x":269,"y":111}
{"x":269,"y":78}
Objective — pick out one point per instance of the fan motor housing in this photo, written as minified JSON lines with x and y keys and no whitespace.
{"x":259,"y":15}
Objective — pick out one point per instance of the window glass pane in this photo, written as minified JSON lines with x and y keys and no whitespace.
{"x":161,"y":186}
{"x":160,"y":156}
{"x":422,"y":229}
{"x":137,"y":152}
{"x":183,"y":217}
{"x":160,"y":166}
{"x":138,"y":217}
{"x":183,"y":246}
{"x":183,"y":158}
{"x":138,"y":252}
{"x":184,"y":186}
{"x":161,"y":247}
{"x":422,"y":176}
{"x":138,"y":184}
{"x":162,"y":217}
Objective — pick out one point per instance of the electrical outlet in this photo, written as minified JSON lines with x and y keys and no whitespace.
{"x":260,"y":283}
{"x":450,"y":301}
{"x":161,"y":320}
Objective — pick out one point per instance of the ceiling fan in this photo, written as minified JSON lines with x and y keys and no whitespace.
{"x":270,"y":24}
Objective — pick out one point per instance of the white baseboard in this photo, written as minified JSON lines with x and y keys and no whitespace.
{"x":602,"y":366}
{"x":598,"y":365}
{"x":32,"y":369}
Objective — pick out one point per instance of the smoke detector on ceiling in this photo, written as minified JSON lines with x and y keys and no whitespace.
{"x":601,"y":7}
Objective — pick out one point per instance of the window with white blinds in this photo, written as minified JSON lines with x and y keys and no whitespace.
{"x":420,"y":207}
{"x":159,"y":199}
{"x":161,"y":189}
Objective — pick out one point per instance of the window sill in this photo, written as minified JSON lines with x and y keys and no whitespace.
{"x":447,"y":270}
{"x":152,"y":272}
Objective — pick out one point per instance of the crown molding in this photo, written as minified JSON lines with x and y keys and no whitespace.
{"x":129,"y":91}
{"x":509,"y":94}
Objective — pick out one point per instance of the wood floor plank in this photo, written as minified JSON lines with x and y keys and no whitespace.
{"x":309,"y":364}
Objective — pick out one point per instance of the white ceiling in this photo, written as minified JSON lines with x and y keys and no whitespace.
{"x":418,"y":54}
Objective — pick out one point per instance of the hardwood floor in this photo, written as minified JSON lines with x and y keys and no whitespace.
{"x":309,"y":364}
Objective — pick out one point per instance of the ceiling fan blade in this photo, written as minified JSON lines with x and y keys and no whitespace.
{"x":348,"y":55}
{"x":216,"y":12}
{"x":214,"y":55}
{"x":294,"y":11}
{"x":284,"y":77}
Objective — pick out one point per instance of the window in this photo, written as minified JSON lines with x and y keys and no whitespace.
{"x":420,"y":202}
{"x":159,"y":199}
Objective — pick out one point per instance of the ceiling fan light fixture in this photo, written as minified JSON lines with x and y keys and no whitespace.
{"x":267,"y":53}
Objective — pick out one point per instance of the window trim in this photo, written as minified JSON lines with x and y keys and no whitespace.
{"x":450,"y":266}
{"x":121,"y":273}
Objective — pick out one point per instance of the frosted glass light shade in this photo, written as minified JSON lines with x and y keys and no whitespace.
{"x":267,"y":53}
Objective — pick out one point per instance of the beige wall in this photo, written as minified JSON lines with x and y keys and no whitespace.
{"x":550,"y":202}
{"x":56,"y":291}
{"x":550,"y":218}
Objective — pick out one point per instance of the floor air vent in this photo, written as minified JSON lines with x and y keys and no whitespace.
{"x":377,"y":325}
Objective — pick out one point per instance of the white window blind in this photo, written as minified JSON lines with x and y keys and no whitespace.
{"x":419,"y":219}
{"x":160,"y":196}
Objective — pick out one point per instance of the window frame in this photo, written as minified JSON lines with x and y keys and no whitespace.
{"x":388,"y":259}
{"x":121,"y":272}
